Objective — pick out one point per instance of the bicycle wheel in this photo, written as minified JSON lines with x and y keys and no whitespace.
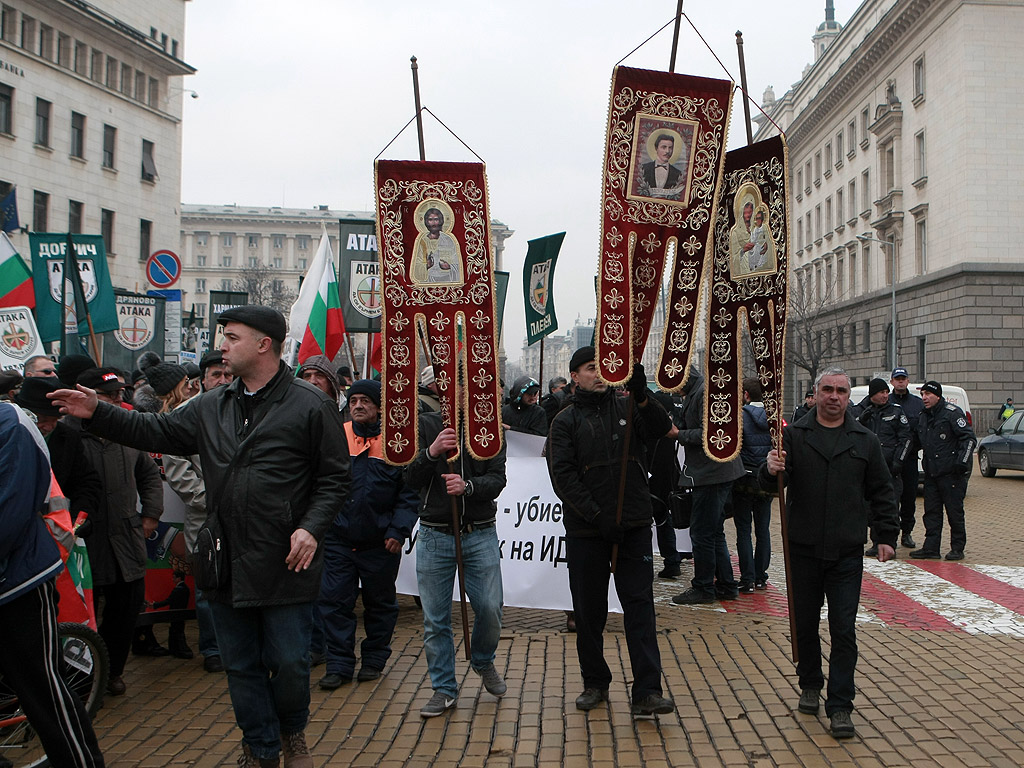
{"x":85,"y":664}
{"x":15,"y":732}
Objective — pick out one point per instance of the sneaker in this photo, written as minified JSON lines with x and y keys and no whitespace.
{"x":871,"y":551}
{"x":908,"y":541}
{"x":330,"y":682}
{"x":366,"y":674}
{"x":841,"y":725}
{"x":761,"y":584}
{"x":439,"y":704}
{"x":492,"y":681}
{"x":650,"y":706}
{"x":590,"y":698}
{"x":670,"y":571}
{"x":925,"y":554}
{"x":296,"y":753}
{"x":248,"y":760}
{"x":746,"y":588}
{"x":954,"y":554}
{"x":693,"y":597}
{"x":213,"y":664}
{"x":810,"y":701}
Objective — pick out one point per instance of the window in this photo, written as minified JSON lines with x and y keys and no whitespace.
{"x":201,"y":285}
{"x":828,"y":159}
{"x":817,"y":168}
{"x":7,"y":26}
{"x":799,"y":180}
{"x":109,"y":146}
{"x":111,"y":72}
{"x":200,"y":260}
{"x":78,"y":135}
{"x":227,"y":239}
{"x":865,"y":192}
{"x":28,"y":32}
{"x":853,"y":282}
{"x":174,"y":48}
{"x":828,"y":215}
{"x":148,"y":165}
{"x":800,"y":233}
{"x":865,"y":121}
{"x":253,"y":261}
{"x":922,"y":357}
{"x":302,"y":263}
{"x":853,"y":199}
{"x":853,"y":337}
{"x":202,"y":238}
{"x":852,"y":130}
{"x":865,"y":267}
{"x":302,"y":242}
{"x":921,"y":245}
{"x":919,"y":80}
{"x":46,"y":42}
{"x":153,"y":96}
{"x":920,"y":168}
{"x":81,"y":57}
{"x":40,"y":211}
{"x":107,"y":229}
{"x":810,"y":232}
{"x":840,"y":290}
{"x":889,"y":253}
{"x":278,"y":241}
{"x":43,"y":122}
{"x":201,"y":310}
{"x":145,"y":238}
{"x":866,"y":336}
{"x":840,"y":211}
{"x":225,"y":261}
{"x":225,"y":285}
{"x":6,"y":108}
{"x":839,"y":149}
{"x":807,"y":176}
{"x":63,"y":50}
{"x":140,"y":85}
{"x":126,"y":79}
{"x":75,"y":217}
{"x":278,"y":285}
{"x":278,"y":262}
{"x":96,"y":66}
{"x":817,"y":222}
{"x":254,"y":241}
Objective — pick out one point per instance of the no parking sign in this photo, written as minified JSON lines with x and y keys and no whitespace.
{"x":163,"y":269}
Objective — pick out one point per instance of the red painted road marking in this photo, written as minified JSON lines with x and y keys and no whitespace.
{"x":896,"y":609}
{"x":999,"y":592}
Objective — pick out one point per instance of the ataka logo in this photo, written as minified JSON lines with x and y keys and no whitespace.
{"x":540,"y":276}
{"x":364,"y":288}
{"x":134,"y":325}
{"x":18,"y":337}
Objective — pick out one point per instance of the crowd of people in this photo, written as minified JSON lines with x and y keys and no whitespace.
{"x":293,"y":515}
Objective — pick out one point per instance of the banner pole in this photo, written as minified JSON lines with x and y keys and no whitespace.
{"x":785,"y":552}
{"x":419,"y":110}
{"x":85,"y":304}
{"x":743,"y":86}
{"x":540,"y":374}
{"x":623,"y":466}
{"x":675,"y":36}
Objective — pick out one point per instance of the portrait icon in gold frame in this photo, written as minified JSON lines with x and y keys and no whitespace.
{"x":661,"y":167}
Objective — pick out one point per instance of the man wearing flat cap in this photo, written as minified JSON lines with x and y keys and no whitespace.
{"x":276,"y":466}
{"x":947,"y":443}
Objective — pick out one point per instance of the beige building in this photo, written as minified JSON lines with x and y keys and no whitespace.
{"x":902,"y":131}
{"x":90,"y":122}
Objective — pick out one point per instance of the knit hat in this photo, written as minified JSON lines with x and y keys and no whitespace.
{"x":72,"y":366}
{"x":32,"y":396}
{"x":581,"y":357}
{"x":367,"y":387}
{"x":931,"y":386}
{"x":876,"y":386}
{"x":322,"y":364}
{"x":9,"y":380}
{"x":163,"y":378}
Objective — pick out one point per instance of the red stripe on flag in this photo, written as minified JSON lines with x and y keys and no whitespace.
{"x":309,"y":347}
{"x":22,"y":296}
{"x":981,"y":584}
{"x":897,"y":610}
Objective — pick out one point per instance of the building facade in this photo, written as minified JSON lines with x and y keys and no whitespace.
{"x":90,"y":123}
{"x":906,"y":199}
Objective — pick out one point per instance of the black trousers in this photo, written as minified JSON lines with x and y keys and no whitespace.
{"x":946,"y":491}
{"x":30,"y":657}
{"x":906,"y":496}
{"x":122,"y":602}
{"x":589,"y":571}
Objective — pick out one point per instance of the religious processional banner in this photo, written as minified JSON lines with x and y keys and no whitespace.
{"x":55,"y":295}
{"x":663,"y":159}
{"x":438,"y":288}
{"x":538,"y":286}
{"x":751,"y":248}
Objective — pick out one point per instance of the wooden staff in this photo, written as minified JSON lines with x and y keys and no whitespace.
{"x":743,"y":86}
{"x":675,"y":36}
{"x":785,"y":544}
{"x":419,"y":111}
{"x":540,"y":375}
{"x":623,"y":466}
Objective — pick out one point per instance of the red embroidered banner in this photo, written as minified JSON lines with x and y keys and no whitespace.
{"x":751,"y":247}
{"x":663,"y":160}
{"x":438,"y":288}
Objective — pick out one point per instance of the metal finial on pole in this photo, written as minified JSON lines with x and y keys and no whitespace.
{"x":675,"y":36}
{"x":419,"y":111}
{"x":743,"y":86}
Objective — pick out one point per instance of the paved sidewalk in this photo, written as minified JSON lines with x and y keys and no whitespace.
{"x":940,"y":681}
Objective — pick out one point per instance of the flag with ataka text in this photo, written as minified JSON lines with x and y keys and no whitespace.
{"x":316,"y":318}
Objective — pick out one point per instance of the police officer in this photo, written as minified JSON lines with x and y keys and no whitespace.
{"x":948,"y":444}
{"x":892,"y":429}
{"x":912,"y":406}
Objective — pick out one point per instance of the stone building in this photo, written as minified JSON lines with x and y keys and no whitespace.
{"x":906,"y":195}
{"x":90,"y":122}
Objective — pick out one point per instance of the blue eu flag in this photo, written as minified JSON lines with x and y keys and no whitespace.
{"x":9,"y":212}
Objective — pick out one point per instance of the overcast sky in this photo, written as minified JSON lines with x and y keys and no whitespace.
{"x":296,"y":99}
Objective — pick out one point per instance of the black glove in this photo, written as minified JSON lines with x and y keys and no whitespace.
{"x":637,"y":384}
{"x":85,"y":528}
{"x":611,"y":531}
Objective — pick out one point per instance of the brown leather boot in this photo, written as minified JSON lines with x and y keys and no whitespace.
{"x":248,"y":760}
{"x":296,"y":753}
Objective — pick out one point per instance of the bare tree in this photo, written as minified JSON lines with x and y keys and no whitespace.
{"x":814,"y":331}
{"x":265,"y":287}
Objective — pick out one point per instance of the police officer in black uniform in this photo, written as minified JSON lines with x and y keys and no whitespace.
{"x":892,"y":429}
{"x":912,"y":406}
{"x":948,"y":442}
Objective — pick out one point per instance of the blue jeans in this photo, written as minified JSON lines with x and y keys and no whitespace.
{"x":266,"y":655}
{"x":712,"y":568}
{"x":754,"y":559}
{"x":812,"y":580}
{"x":435,"y":576}
{"x":207,"y":633}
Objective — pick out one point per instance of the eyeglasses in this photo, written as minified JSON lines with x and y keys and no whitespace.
{"x":47,"y":371}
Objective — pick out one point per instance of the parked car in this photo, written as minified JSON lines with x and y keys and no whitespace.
{"x":1004,"y":448}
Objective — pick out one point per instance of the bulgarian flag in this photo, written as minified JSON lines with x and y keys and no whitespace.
{"x":15,"y":277}
{"x":316,"y":319}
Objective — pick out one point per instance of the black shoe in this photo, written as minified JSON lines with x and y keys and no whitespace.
{"x":841,"y":725}
{"x":213,"y":664}
{"x":330,"y":682}
{"x":693,"y":597}
{"x":670,"y":571}
{"x":954,"y":554}
{"x":650,"y":706}
{"x":366,"y":674}
{"x":591,"y":698}
{"x":761,"y":584}
{"x":116,"y":686}
{"x":686,"y":555}
{"x":183,"y":652}
{"x":746,"y":588}
{"x":154,"y":649}
{"x":908,"y":541}
{"x":925,"y":554}
{"x":316,"y":659}
{"x":810,"y":701}
{"x":726,"y":594}
{"x":871,"y":551}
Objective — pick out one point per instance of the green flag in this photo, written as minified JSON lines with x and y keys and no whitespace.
{"x":538,"y":281}
{"x":49,"y":251}
{"x":500,"y":291}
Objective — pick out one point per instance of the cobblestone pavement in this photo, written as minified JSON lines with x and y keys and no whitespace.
{"x":940,"y":681}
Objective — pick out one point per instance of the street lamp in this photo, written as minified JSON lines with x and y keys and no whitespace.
{"x":891,"y":244}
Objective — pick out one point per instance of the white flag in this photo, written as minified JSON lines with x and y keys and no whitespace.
{"x":298,"y":318}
